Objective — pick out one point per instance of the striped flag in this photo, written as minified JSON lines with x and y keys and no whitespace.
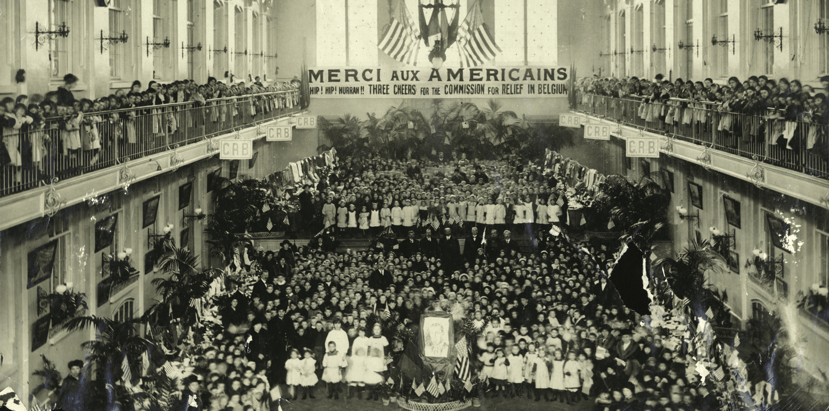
{"x":401,"y":39}
{"x":125,"y":367}
{"x":462,"y":368}
{"x":461,"y":347}
{"x":433,"y":387}
{"x":719,"y":374}
{"x":475,"y":43}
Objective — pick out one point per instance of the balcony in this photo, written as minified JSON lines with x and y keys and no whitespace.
{"x":72,"y":146}
{"x":803,"y":147}
{"x":123,"y":145}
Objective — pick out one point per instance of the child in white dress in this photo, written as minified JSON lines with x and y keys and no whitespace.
{"x":557,"y":377}
{"x":572,"y":373}
{"x":529,"y":361}
{"x":374,"y":220}
{"x":542,"y":374}
{"x":308,"y":376}
{"x":499,"y":372}
{"x":293,"y":366}
{"x":332,"y":370}
{"x":515,"y":371}
{"x":355,"y":372}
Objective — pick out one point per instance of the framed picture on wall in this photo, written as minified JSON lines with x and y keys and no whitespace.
{"x":40,"y":332}
{"x":104,"y":288}
{"x":212,"y":178}
{"x":42,"y":263}
{"x":734,"y":262}
{"x":252,"y":161}
{"x":695,"y":194}
{"x":732,"y":211}
{"x":668,"y":180}
{"x":778,"y":228}
{"x":105,"y":232}
{"x":184,"y":193}
{"x":150,"y":211}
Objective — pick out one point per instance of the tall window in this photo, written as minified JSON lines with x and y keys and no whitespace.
{"x":658,"y":37}
{"x":689,"y":39}
{"x":256,"y":67}
{"x":823,"y":40}
{"x":759,"y":312}
{"x":722,"y":35}
{"x":125,"y":312}
{"x":621,"y":46}
{"x":240,"y":68}
{"x":158,"y":37}
{"x":766,"y":49}
{"x":823,"y":269}
{"x":190,"y":38}
{"x":58,"y":47}
{"x":220,"y":40}
{"x":118,"y":22}
{"x":638,"y":31}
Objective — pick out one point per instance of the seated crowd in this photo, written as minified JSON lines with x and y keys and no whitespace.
{"x":39,"y":131}
{"x":551,"y":326}
{"x":755,"y":110}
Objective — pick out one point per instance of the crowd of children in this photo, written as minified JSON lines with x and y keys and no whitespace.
{"x":58,"y":135}
{"x":779,"y":112}
{"x":551,"y":326}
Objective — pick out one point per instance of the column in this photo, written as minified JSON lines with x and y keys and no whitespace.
{"x":614,"y":21}
{"x":648,"y":35}
{"x":204,"y":19}
{"x":248,"y":74}
{"x":782,"y":58}
{"x":699,"y":23}
{"x":670,"y":38}
{"x":179,"y":55}
{"x":331,"y":33}
{"x":509,"y":26}
{"x":542,"y":32}
{"x":629,"y":16}
{"x":144,"y":31}
{"x":23,"y":53}
{"x":735,"y":20}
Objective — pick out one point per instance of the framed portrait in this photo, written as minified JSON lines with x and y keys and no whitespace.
{"x":234,"y":169}
{"x":437,"y":335}
{"x":732,"y":211}
{"x":42,"y":263}
{"x":40,"y":332}
{"x":695,"y":194}
{"x":734,"y":262}
{"x":184,"y":193}
{"x":212,"y":177}
{"x":778,"y":229}
{"x":668,"y":179}
{"x":645,"y":166}
{"x":150,"y":211}
{"x":252,"y":161}
{"x":105,"y":232}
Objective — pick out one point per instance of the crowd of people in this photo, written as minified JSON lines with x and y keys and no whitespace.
{"x":41,"y":130}
{"x":778,"y":112}
{"x":309,"y":322}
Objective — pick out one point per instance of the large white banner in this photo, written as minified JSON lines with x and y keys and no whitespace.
{"x":378,"y":82}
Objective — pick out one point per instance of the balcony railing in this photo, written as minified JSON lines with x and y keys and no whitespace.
{"x":800,"y":145}
{"x":68,"y":147}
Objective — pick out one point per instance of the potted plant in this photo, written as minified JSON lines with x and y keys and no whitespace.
{"x":65,"y":303}
{"x":51,"y":378}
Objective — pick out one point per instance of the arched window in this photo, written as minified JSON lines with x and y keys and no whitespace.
{"x":125,"y":312}
{"x":759,"y":312}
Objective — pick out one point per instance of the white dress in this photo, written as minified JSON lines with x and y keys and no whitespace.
{"x":374,"y":221}
{"x":309,"y":376}
{"x":376,"y":360}
{"x":499,"y":370}
{"x":515,"y":369}
{"x":557,"y":375}
{"x":356,"y":369}
{"x":542,"y":373}
{"x":331,"y":368}
{"x":528,"y":367}
{"x":293,"y":365}
{"x":571,"y":382}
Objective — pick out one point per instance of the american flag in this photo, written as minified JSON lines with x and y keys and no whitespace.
{"x":476,"y":45}
{"x":433,"y":387}
{"x":461,"y":347}
{"x":400,"y":41}
{"x":441,"y":389}
{"x":125,"y":367}
{"x":462,"y":368}
{"x":719,"y":374}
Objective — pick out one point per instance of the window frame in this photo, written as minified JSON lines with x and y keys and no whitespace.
{"x":57,"y":44}
{"x":121,"y":314}
{"x":722,"y":35}
{"x":119,"y":55}
{"x":823,"y":257}
{"x":823,"y":40}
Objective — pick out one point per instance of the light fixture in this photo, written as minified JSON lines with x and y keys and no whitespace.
{"x":199,"y":215}
{"x":684,"y":215}
{"x":152,"y":160}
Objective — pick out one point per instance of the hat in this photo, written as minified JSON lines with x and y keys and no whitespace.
{"x":190,"y":379}
{"x":76,"y":363}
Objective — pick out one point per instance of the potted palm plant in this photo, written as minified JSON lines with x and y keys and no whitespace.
{"x":51,"y":379}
